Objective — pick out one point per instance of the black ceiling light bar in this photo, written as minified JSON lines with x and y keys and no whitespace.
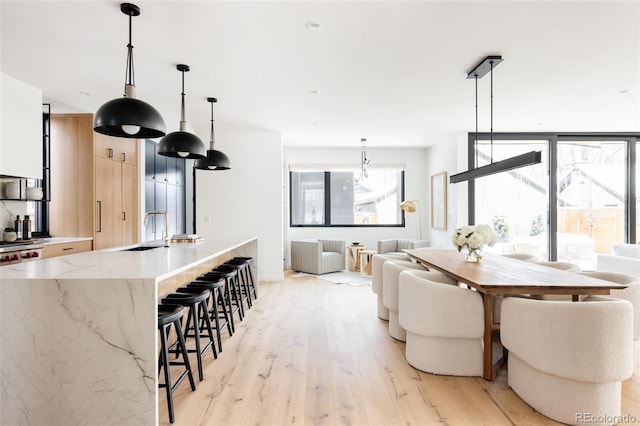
{"x":530,"y":158}
{"x":128,"y":117}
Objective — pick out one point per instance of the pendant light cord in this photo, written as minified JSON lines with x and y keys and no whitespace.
{"x":183,"y":120}
{"x":212,"y":140}
{"x":130,"y":78}
{"x":491,"y":62}
{"x":476,"y":141}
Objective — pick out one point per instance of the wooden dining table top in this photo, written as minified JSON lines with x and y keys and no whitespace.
{"x":496,"y":274}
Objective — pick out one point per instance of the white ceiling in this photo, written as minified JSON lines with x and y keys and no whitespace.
{"x":392,"y":72}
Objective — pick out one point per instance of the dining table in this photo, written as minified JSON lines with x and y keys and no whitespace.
{"x":496,"y":275}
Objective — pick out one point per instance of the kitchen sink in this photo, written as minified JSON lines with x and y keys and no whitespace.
{"x":140,"y":248}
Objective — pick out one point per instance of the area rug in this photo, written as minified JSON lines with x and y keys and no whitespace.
{"x":341,"y":277}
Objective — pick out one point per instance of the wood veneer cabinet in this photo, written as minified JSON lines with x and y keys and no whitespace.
{"x":116,"y":191}
{"x":71,"y":181}
{"x":55,"y":250}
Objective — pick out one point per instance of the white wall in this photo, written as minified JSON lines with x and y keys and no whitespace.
{"x":450,"y":155}
{"x":416,"y":188}
{"x":247,"y":199}
{"x":20,"y":129}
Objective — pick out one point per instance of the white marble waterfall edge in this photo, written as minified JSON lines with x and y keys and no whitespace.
{"x":74,"y":350}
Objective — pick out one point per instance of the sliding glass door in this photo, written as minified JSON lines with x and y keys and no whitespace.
{"x":514,"y":203}
{"x":591,"y":196}
{"x":593,"y":204}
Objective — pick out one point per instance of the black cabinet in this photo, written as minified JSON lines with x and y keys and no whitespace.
{"x":164,"y":190}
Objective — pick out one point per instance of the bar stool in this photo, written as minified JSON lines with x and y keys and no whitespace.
{"x":247,"y":261}
{"x":217,"y":303}
{"x":168,"y":315}
{"x":241,"y":280}
{"x":195,"y":299}
{"x":231,"y":291}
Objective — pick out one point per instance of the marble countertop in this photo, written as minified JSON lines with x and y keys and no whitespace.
{"x":157,"y":263}
{"x":61,"y":240}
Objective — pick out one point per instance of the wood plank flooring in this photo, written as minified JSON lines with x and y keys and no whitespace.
{"x":311,"y":352}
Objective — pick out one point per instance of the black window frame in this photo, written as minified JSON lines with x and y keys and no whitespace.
{"x":327,"y":207}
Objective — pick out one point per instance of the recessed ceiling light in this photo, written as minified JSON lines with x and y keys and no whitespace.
{"x":313,"y":92}
{"x":623,"y":91}
{"x":313,"y":25}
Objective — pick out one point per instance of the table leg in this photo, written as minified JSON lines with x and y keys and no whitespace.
{"x":488,"y":338}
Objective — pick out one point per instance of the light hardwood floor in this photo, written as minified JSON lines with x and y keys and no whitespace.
{"x":311,"y":352}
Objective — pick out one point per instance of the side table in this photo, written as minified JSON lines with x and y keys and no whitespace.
{"x":366,"y":261}
{"x":354,"y":257}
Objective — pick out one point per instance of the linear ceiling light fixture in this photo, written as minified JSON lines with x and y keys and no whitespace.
{"x":215,"y":160}
{"x":530,"y":158}
{"x":182,"y":144}
{"x":128,"y":117}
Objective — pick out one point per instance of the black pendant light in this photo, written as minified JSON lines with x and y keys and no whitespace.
{"x":129,"y":117}
{"x":182,"y":144}
{"x":216,"y":160}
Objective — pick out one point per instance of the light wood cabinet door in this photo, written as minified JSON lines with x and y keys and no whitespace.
{"x":118,"y":149}
{"x":71,"y":180}
{"x":55,"y":250}
{"x":129,"y":204}
{"x":108,"y":203}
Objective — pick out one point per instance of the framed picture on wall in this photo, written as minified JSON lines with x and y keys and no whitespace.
{"x":439,"y":201}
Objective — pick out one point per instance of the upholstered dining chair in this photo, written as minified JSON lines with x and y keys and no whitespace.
{"x":444,"y":324}
{"x":567,"y":358}
{"x":390,"y":277}
{"x":377,"y":282}
{"x":318,"y":256}
{"x":395,"y":246}
{"x":522,"y":256}
{"x":563,"y":266}
{"x":631,"y":293}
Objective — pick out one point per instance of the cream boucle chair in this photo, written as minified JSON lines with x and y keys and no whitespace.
{"x":522,"y":256}
{"x":318,"y":256}
{"x":567,"y":358}
{"x":390,"y":276}
{"x":395,"y":246}
{"x":563,"y":266}
{"x":631,"y":293}
{"x":376,"y":280}
{"x":444,"y":324}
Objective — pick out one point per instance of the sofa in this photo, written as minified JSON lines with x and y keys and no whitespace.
{"x":318,"y":256}
{"x":395,"y":246}
{"x":625,"y":259}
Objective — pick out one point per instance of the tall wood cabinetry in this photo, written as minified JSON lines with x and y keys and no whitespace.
{"x":115,"y":191}
{"x":71,"y":177}
{"x":164,"y":190}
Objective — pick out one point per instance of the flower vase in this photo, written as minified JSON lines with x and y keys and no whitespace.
{"x":473,"y":254}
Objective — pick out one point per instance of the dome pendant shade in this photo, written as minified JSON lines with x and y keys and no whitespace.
{"x":128,"y":117}
{"x":113,"y":115}
{"x":216,"y":160}
{"x":181,"y":145}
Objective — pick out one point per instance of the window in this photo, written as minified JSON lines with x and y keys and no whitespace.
{"x":339,"y":198}
{"x":577,"y":203}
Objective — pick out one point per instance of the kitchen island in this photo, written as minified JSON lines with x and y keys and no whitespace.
{"x":79,"y":332}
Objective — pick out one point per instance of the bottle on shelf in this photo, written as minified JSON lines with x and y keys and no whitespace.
{"x":18,"y":227}
{"x":26,"y":228}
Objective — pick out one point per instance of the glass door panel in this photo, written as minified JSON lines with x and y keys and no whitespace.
{"x":514,"y":203}
{"x":591,"y":199}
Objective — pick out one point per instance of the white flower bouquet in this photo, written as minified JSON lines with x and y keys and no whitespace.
{"x":471,"y":240}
